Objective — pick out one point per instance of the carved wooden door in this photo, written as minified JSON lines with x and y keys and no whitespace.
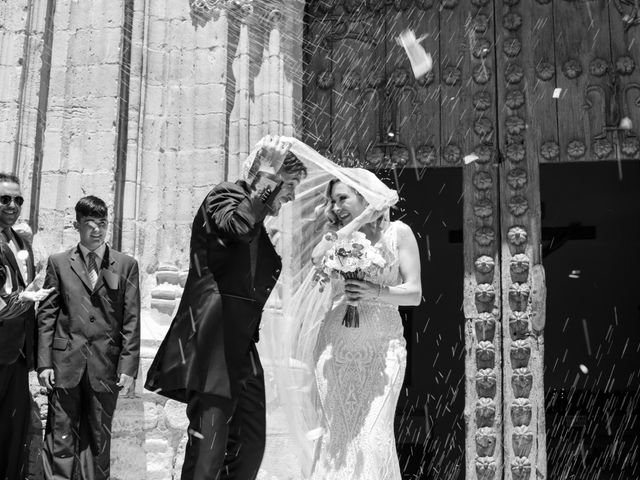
{"x":514,"y":83}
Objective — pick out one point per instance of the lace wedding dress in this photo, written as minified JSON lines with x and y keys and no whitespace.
{"x":359,"y":373}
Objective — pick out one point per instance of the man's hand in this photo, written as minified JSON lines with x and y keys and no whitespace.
{"x":274,"y":149}
{"x":47,"y":378}
{"x":125,"y":383}
{"x":35,"y":295}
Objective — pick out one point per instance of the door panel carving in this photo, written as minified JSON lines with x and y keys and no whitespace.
{"x":363,"y":104}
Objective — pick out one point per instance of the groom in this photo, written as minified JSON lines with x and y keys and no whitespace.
{"x":208,"y":359}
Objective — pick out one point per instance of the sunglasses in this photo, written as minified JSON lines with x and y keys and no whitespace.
{"x":6,"y":200}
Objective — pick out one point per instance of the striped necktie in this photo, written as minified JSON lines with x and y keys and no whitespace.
{"x":93,"y":269}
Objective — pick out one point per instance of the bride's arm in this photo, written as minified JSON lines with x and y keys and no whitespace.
{"x":407,"y":293}
{"x":368,"y":215}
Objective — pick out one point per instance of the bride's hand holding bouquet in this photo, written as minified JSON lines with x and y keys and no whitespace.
{"x":356,"y":290}
{"x":354,"y":258}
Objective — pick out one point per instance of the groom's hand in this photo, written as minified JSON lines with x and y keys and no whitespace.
{"x":35,"y":295}
{"x":274,"y":149}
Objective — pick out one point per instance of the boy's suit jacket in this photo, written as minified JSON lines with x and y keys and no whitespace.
{"x":94,"y":328}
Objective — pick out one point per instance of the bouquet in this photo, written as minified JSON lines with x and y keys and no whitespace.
{"x":352,"y":258}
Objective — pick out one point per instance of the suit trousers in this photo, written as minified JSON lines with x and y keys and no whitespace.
{"x":226,"y":438}
{"x":78,"y":433}
{"x":15,"y":411}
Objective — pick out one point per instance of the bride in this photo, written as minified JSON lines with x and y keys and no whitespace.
{"x":359,"y":371}
{"x":342,"y":411}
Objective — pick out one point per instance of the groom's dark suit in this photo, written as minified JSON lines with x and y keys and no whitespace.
{"x":208,"y":358}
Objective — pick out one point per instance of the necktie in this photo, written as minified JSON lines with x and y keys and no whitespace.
{"x":93,"y":269}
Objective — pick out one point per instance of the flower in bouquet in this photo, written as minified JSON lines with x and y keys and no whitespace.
{"x":353,"y":258}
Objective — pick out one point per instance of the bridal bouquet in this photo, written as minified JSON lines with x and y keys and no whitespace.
{"x":352,"y":258}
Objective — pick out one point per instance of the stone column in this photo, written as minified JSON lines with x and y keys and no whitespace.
{"x":13,"y":18}
{"x":267,"y":71}
{"x":79,"y":147}
{"x":21,"y":45}
{"x":137,"y":90}
{"x":177,"y":148}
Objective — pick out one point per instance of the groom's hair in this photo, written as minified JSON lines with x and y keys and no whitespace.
{"x":91,"y":206}
{"x":293,"y":166}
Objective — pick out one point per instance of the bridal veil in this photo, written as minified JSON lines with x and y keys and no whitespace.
{"x":296,"y":308}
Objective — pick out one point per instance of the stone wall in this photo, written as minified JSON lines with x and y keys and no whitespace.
{"x":22,"y":32}
{"x":207,"y":79}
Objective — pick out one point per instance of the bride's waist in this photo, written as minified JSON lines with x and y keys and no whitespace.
{"x":340,"y":301}
{"x":341,"y":298}
{"x":383,"y":318}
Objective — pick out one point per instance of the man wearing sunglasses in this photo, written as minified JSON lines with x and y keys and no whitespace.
{"x":17,"y":333}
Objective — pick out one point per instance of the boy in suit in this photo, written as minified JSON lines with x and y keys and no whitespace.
{"x":88,"y":343}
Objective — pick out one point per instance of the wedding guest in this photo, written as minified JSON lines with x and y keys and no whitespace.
{"x":17,"y":334}
{"x":88,"y":344}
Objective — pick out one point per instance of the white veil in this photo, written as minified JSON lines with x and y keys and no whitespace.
{"x":296,"y":308}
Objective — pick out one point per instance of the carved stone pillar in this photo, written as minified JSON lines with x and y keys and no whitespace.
{"x":79,"y":144}
{"x":21,"y":48}
{"x":177,"y":148}
{"x":267,"y":74}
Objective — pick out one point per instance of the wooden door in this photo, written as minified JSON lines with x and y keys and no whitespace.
{"x":515,"y":83}
{"x":363,"y":106}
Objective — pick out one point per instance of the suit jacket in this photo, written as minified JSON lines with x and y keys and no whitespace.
{"x":17,"y":319}
{"x":207,"y":346}
{"x":97,"y":329}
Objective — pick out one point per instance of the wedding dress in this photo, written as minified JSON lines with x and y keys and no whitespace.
{"x":359,"y":374}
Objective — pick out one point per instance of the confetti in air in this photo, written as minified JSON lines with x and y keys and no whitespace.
{"x":421,"y":61}
{"x":472,"y":157}
{"x":626,"y":123}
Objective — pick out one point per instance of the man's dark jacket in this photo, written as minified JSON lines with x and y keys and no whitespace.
{"x":17,"y":320}
{"x":206,"y":349}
